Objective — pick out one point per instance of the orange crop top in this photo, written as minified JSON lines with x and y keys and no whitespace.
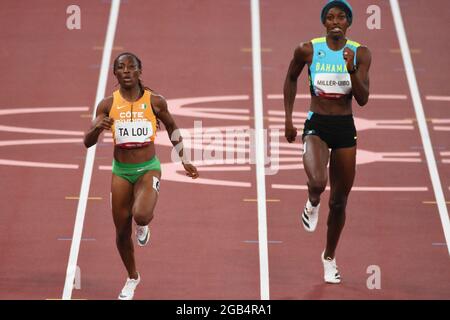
{"x":134,"y":122}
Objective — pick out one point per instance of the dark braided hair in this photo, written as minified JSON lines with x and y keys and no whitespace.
{"x":139,"y":64}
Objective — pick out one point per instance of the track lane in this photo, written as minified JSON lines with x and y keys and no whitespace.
{"x":50,"y":66}
{"x":385,"y":229}
{"x":198,"y":248}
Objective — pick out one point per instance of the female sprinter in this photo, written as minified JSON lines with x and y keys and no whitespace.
{"x":338,"y":70}
{"x":131,"y":113}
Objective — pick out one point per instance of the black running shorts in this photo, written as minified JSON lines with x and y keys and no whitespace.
{"x":335,"y":131}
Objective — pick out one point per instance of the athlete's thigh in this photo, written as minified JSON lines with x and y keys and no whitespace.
{"x":121,"y":200}
{"x":342,"y":170}
{"x":315,"y":157}
{"x":146,"y":193}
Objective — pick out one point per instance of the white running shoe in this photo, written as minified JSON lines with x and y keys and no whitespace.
{"x":331,"y":273}
{"x":310,"y":216}
{"x":142,"y":235}
{"x":127,"y":292}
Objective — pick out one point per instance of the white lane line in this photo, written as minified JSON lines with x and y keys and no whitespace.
{"x":87,"y":173}
{"x":420,"y":115}
{"x":260,"y":152}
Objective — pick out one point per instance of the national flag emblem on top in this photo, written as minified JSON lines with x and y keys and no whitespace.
{"x":143,"y":106}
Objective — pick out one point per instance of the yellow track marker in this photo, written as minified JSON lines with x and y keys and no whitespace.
{"x":77,"y":198}
{"x":256,"y":200}
{"x":262,"y":49}
{"x":433,"y":202}
{"x":415,"y":120}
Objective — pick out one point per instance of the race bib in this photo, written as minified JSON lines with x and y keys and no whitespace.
{"x":133,"y":132}
{"x":334,"y":84}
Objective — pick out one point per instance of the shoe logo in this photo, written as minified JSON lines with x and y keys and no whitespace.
{"x":144,"y":241}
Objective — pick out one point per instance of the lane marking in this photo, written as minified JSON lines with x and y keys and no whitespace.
{"x":184,"y":107}
{"x":420,"y":114}
{"x":261,"y":49}
{"x":445,"y":154}
{"x":5,"y":143}
{"x":381,"y":189}
{"x":433,"y":202}
{"x":372,"y":96}
{"x":77,"y":198}
{"x":416,"y":120}
{"x":441,"y":128}
{"x":17,"y":163}
{"x":255,"y":200}
{"x":438,"y":98}
{"x":5,"y":112}
{"x":87,"y":173}
{"x":259,"y":145}
{"x":40,"y":131}
{"x":256,"y":241}
{"x":82,"y":239}
{"x":98,"y":158}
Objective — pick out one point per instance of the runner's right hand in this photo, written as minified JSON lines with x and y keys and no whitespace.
{"x":105,"y":123}
{"x":290,"y":132}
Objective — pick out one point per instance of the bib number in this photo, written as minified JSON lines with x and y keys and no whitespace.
{"x":133,"y":132}
{"x":332,"y":83}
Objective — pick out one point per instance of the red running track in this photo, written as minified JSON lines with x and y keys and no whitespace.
{"x":204,"y":235}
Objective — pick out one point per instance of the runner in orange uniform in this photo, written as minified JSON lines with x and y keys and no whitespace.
{"x":132,"y":113}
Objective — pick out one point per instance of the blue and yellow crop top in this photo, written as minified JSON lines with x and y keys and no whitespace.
{"x":328,"y":76}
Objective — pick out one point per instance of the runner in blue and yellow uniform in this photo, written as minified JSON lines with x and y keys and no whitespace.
{"x":338,"y":70}
{"x":132,"y":113}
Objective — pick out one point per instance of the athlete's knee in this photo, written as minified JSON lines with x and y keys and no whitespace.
{"x":142,"y":217}
{"x":317,"y":185}
{"x":338,"y":205}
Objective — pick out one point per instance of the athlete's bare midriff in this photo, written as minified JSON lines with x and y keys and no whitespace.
{"x":332,"y":107}
{"x":136,"y":155}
